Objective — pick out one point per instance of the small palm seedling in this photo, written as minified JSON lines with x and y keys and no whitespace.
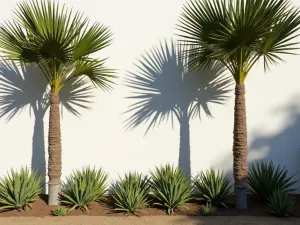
{"x":170,"y":187}
{"x":19,"y":189}
{"x":59,"y":211}
{"x":84,"y":187}
{"x":208,"y":210}
{"x":212,"y":186}
{"x":131,"y":193}
{"x":281,"y":203}
{"x":264,"y":178}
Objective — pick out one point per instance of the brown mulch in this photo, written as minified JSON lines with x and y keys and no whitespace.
{"x":255,"y":208}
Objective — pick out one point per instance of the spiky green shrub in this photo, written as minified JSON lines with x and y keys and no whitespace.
{"x":264,"y":178}
{"x":59,"y":211}
{"x":212,"y":187}
{"x":84,"y":187}
{"x":19,"y":189}
{"x":281,"y":203}
{"x":131,"y":192}
{"x":208,"y":210}
{"x":171,"y":188}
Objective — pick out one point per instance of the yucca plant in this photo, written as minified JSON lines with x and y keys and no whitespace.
{"x":84,"y":187}
{"x":170,"y":187}
{"x":19,"y":189}
{"x":208,"y":210}
{"x":264,"y":178}
{"x":131,"y":192}
{"x":281,"y":203}
{"x":212,"y":187}
{"x":59,"y":211}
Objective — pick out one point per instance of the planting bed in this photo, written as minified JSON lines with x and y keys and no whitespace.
{"x":255,"y":208}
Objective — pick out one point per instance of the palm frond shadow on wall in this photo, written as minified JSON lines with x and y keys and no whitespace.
{"x":164,"y":88}
{"x":24,"y":86}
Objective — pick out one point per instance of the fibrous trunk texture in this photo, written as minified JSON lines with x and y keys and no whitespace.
{"x":240,"y":148}
{"x":184,"y":150}
{"x":54,"y":150}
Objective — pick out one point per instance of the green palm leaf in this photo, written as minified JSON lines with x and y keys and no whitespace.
{"x":58,"y":40}
{"x":239,"y":32}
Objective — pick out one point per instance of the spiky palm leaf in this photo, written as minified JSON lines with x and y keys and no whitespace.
{"x":58,"y":40}
{"x":239,"y":32}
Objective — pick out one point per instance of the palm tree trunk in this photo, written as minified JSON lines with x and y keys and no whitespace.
{"x":54,"y":150}
{"x":184,"y":162}
{"x":240,"y":148}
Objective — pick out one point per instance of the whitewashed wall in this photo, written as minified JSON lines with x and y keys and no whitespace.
{"x":98,"y":137}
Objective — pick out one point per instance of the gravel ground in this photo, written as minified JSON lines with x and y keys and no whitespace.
{"x":151,"y":220}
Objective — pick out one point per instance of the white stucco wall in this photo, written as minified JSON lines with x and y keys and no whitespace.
{"x":98,"y":137}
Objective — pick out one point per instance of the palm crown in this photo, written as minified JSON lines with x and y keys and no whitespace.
{"x":239,"y":32}
{"x":59,"y":41}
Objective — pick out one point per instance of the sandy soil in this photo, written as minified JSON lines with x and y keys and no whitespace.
{"x":153,"y":220}
{"x":255,"y":208}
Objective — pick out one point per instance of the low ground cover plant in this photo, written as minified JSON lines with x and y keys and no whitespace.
{"x":208,"y":210}
{"x":59,"y":211}
{"x":170,"y":187}
{"x":19,"y":189}
{"x":213,"y":187}
{"x":264,"y":178}
{"x":131,"y":192}
{"x":84,"y":187}
{"x":281,"y":203}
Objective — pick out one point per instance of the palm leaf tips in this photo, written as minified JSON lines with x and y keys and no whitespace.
{"x":57,"y":39}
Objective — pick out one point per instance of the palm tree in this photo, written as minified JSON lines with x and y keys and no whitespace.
{"x":162,"y":89}
{"x":60,"y":43}
{"x":17,"y":94}
{"x":238,"y":33}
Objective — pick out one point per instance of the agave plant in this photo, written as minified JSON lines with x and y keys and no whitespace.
{"x":84,"y":187}
{"x":212,"y":186}
{"x":281,"y":203}
{"x":131,"y":192}
{"x":208,"y":210}
{"x":59,"y":211}
{"x":19,"y":189}
{"x":264,"y":178}
{"x":170,"y":187}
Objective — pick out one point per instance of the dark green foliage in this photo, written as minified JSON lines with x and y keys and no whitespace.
{"x":59,"y":211}
{"x":213,"y":187}
{"x":84,"y":187}
{"x":19,"y":189}
{"x":131,"y":192}
{"x":281,"y":203}
{"x":208,"y":210}
{"x":264,"y":178}
{"x":171,"y":187}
